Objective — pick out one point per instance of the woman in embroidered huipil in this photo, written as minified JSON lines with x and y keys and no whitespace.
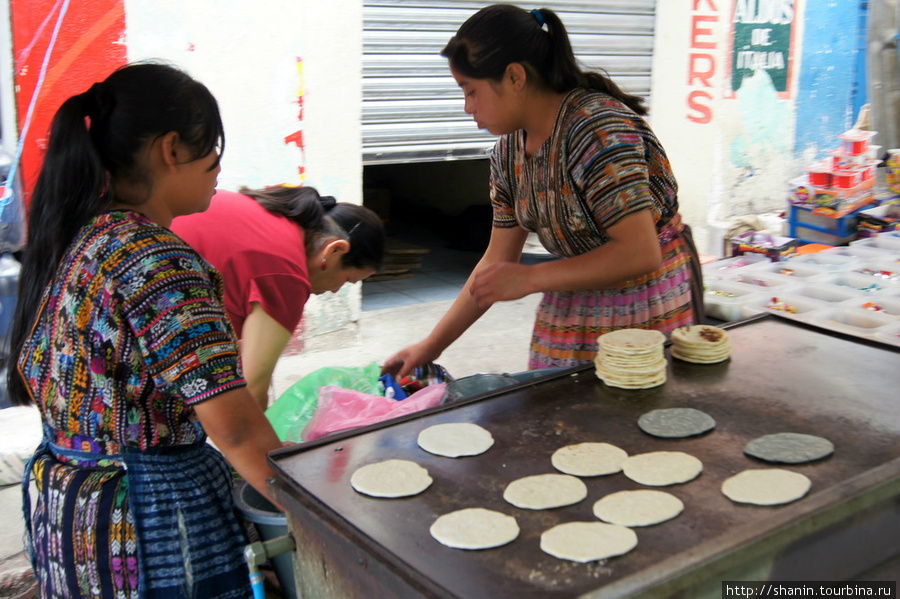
{"x":578,"y":165}
{"x":122,"y":341}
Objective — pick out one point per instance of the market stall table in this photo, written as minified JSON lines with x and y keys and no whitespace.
{"x":783,"y":376}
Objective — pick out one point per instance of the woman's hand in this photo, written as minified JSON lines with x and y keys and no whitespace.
{"x":499,"y":282}
{"x":405,"y":361}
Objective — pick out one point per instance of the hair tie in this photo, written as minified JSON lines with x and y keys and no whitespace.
{"x":538,"y":16}
{"x":327,"y":203}
{"x":99,"y":102}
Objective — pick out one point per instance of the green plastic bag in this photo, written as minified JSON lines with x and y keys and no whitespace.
{"x":290,"y":413}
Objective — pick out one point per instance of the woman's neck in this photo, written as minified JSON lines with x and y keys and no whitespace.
{"x":541,"y":118}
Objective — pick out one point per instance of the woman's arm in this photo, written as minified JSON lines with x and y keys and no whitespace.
{"x":632,"y":251}
{"x":263,"y":339}
{"x":240,"y":430}
{"x":505,"y":246}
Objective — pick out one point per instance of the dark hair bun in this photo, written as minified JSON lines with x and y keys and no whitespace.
{"x":327,"y":202}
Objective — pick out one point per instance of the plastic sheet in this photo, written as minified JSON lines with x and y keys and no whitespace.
{"x":341,"y":409}
{"x":292,"y":411}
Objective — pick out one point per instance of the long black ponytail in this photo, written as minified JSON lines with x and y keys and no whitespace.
{"x":501,"y":34}
{"x":95,"y":141}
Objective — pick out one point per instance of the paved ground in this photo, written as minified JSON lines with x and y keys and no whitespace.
{"x":16,"y":580}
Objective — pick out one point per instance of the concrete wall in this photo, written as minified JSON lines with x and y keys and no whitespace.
{"x":826,"y":89}
{"x":732,"y":149}
{"x":735,"y":144}
{"x":287,"y":74}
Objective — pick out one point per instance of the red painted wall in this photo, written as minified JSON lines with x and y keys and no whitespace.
{"x":90,"y":44}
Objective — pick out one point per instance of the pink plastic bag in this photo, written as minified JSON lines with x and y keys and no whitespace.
{"x":341,"y":409}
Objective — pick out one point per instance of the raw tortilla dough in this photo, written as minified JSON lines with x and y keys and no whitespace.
{"x":589,"y":459}
{"x":766,"y":487}
{"x":474,"y":528}
{"x":391,"y":478}
{"x":676,"y":422}
{"x":455,"y":439}
{"x":661,"y":468}
{"x":545,"y":491}
{"x":588,"y":541}
{"x":789,"y":448}
{"x":638,"y":508}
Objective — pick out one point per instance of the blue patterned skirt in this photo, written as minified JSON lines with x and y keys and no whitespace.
{"x":158,"y":523}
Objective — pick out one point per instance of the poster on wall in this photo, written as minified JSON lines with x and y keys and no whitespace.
{"x":73,"y":45}
{"x":762,"y":40}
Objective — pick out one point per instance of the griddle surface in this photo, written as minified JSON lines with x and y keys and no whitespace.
{"x":781,"y":377}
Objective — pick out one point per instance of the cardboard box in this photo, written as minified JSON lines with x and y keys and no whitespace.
{"x":822,"y":225}
{"x":774,"y":247}
{"x":873,"y":221}
{"x":840,"y":201}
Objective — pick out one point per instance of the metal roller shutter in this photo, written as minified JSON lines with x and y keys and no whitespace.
{"x":412,"y":107}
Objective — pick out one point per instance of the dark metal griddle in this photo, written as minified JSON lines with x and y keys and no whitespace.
{"x":782,"y":376}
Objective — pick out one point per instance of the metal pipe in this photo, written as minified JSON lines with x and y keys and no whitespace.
{"x":259,"y":553}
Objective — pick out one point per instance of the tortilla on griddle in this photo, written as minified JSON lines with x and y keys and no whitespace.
{"x":545,"y":491}
{"x":789,"y":448}
{"x":766,"y":487}
{"x":455,"y":439}
{"x":589,"y":459}
{"x":631,"y":359}
{"x":701,"y":344}
{"x":643,"y":507}
{"x":587,"y":541}
{"x":662,"y":468}
{"x":391,"y":478}
{"x":676,"y":422}
{"x":474,"y":528}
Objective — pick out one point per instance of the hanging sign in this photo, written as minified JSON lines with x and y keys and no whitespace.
{"x":762,"y":40}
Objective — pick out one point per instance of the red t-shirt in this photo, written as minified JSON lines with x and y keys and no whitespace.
{"x":261,"y":257}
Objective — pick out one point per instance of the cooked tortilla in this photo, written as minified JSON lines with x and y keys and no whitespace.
{"x":455,"y":439}
{"x":474,"y":528}
{"x":589,"y":459}
{"x":587,"y":541}
{"x":766,"y":487}
{"x":545,"y":491}
{"x":638,"y":508}
{"x":662,"y":468}
{"x":391,"y":478}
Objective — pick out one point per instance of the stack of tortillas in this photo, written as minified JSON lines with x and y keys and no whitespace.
{"x":631,"y":359}
{"x":701,"y":344}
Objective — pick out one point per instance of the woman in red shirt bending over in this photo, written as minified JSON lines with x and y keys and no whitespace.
{"x":275,"y":247}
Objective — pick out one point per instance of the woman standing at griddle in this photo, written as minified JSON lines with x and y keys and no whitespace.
{"x":577,"y":164}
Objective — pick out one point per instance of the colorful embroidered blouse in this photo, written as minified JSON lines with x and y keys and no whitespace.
{"x":131,"y":334}
{"x":601,"y":163}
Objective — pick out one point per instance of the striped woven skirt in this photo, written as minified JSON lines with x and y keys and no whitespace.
{"x":162,"y":526}
{"x":567,"y":324}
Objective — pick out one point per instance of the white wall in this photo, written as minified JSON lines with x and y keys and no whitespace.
{"x":732,"y":152}
{"x":247,"y":54}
